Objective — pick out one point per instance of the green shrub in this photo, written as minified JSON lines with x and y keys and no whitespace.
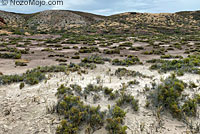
{"x":20,"y":63}
{"x":190,"y":107}
{"x":189,"y":64}
{"x":114,"y":51}
{"x":31,"y":77}
{"x":155,"y":52}
{"x":136,"y":48}
{"x":89,"y":49}
{"x":94,"y":59}
{"x":168,"y":95}
{"x":126,"y":44}
{"x":114,"y":124}
{"x":114,"y":127}
{"x":130,"y":60}
{"x":120,"y":72}
{"x":128,"y":99}
{"x":170,"y":57}
{"x":10,"y":55}
{"x":75,"y":112}
{"x":21,"y":85}
{"x":76,"y":57}
{"x":61,"y":60}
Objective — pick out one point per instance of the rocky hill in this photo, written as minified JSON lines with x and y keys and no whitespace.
{"x":143,"y":23}
{"x":180,"y":22}
{"x":49,"y":19}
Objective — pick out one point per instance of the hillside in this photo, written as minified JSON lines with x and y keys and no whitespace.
{"x":2,"y":22}
{"x":49,"y":19}
{"x":141,"y":23}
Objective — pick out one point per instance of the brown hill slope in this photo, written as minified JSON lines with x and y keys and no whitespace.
{"x":2,"y":22}
{"x":180,"y":22}
{"x":148,"y":22}
{"x":50,"y":19}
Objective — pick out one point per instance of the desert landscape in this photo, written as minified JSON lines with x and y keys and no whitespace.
{"x":69,"y":72}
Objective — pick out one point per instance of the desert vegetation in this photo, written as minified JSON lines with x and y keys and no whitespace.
{"x":127,"y":74}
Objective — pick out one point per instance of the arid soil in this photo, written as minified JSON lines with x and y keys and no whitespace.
{"x":26,"y":110}
{"x":29,"y":110}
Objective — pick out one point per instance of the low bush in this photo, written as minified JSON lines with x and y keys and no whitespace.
{"x":170,"y":57}
{"x":169,"y":95}
{"x":189,"y":64}
{"x":76,"y":57}
{"x":95,"y":59}
{"x":126,"y":44}
{"x":123,"y":72}
{"x":61,"y":60}
{"x":31,"y":77}
{"x":21,"y":85}
{"x":21,"y":63}
{"x":130,"y":60}
{"x":76,"y":114}
{"x":154,"y":52}
{"x":114,"y":123}
{"x":89,"y":49}
{"x":113,"y":51}
{"x":10,"y":55}
{"x":136,"y":48}
{"x":128,"y":100}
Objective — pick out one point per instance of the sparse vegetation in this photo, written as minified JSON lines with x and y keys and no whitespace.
{"x":189,"y":64}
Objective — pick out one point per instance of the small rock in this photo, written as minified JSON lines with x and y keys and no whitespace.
{"x":7,"y":112}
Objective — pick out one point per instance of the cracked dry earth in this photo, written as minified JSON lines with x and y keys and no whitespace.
{"x":25,"y":111}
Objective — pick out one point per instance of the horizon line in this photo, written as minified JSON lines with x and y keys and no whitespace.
{"x":99,"y":14}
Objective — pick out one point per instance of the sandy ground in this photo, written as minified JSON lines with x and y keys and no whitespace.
{"x":25,"y":111}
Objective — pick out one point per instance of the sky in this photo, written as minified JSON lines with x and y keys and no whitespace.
{"x":109,"y":7}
